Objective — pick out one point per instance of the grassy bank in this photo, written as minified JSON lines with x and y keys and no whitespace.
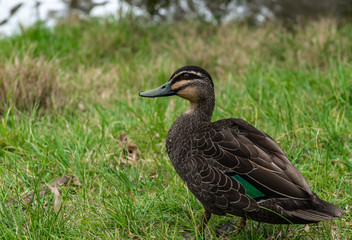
{"x":67,"y":95}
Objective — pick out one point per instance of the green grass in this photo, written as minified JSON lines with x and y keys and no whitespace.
{"x":296,"y":86}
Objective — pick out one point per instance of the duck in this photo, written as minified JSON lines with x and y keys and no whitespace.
{"x":230,"y":166}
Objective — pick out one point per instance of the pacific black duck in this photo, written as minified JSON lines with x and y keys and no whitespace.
{"x":232,"y":167}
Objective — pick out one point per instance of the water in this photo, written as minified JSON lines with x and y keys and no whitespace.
{"x":28,"y":14}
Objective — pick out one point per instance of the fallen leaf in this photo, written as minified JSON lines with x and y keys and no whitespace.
{"x":28,"y":198}
{"x":57,"y":202}
{"x":130,"y":150}
{"x":76,"y":182}
{"x":306,"y":228}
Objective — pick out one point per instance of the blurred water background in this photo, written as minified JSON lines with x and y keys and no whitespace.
{"x":30,"y":11}
{"x":17,"y":14}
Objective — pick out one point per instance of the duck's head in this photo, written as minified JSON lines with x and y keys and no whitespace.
{"x":190,"y":82}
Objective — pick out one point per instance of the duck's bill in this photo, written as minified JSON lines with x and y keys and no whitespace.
{"x":162,"y":91}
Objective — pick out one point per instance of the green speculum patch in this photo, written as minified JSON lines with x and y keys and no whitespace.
{"x":251,"y":191}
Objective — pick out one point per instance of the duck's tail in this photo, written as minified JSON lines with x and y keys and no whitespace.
{"x":320,"y":211}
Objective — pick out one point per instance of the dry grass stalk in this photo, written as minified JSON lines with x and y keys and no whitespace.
{"x":232,"y":47}
{"x":29,"y":82}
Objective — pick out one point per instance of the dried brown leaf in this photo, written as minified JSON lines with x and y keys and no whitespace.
{"x":28,"y":198}
{"x":306,"y":228}
{"x":76,"y":182}
{"x":130,"y":150}
{"x":57,"y":202}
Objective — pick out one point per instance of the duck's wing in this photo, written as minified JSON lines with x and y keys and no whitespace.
{"x":218,"y":192}
{"x":250,"y":156}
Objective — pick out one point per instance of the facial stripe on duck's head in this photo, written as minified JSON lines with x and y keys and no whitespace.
{"x":191,"y":72}
{"x":189,"y":81}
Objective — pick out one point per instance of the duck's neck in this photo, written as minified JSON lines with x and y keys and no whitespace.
{"x":189,"y":121}
{"x":200,"y":112}
{"x":196,"y":114}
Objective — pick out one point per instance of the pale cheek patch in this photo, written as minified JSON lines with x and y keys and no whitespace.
{"x":189,"y":93}
{"x":179,"y":84}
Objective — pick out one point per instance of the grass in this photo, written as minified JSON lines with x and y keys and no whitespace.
{"x":294,"y":85}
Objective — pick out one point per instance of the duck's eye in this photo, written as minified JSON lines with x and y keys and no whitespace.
{"x":185,"y":76}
